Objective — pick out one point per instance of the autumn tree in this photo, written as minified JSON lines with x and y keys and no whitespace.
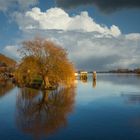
{"x":46,"y":60}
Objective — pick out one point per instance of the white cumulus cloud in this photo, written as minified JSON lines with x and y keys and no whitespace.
{"x":58,"y":19}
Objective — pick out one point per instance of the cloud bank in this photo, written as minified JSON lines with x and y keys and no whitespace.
{"x":104,"y":5}
{"x":90,"y":45}
{"x":92,"y":50}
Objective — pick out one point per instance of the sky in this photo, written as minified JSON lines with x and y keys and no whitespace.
{"x":97,"y":34}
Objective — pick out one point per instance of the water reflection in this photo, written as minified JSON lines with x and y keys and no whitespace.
{"x":132,"y":97}
{"x":89,"y":79}
{"x":111,"y":111}
{"x":116,"y":79}
{"x":120,"y":79}
{"x":43,"y":112}
{"x":5,"y":87}
{"x":84,"y":80}
{"x":94,"y":83}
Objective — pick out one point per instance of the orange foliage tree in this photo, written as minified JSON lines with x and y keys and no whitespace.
{"x":44,"y":59}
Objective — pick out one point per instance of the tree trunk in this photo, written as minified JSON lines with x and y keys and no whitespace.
{"x":46,"y":82}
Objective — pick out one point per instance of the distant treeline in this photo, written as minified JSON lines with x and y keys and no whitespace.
{"x":125,"y":71}
{"x":137,"y":71}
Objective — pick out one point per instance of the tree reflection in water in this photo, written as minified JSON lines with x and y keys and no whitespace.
{"x":94,"y":83}
{"x":43,"y":113}
{"x":5,"y":87}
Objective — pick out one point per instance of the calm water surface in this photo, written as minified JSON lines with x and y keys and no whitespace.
{"x":106,"y":109}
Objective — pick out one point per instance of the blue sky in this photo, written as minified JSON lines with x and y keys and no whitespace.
{"x":98,"y":35}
